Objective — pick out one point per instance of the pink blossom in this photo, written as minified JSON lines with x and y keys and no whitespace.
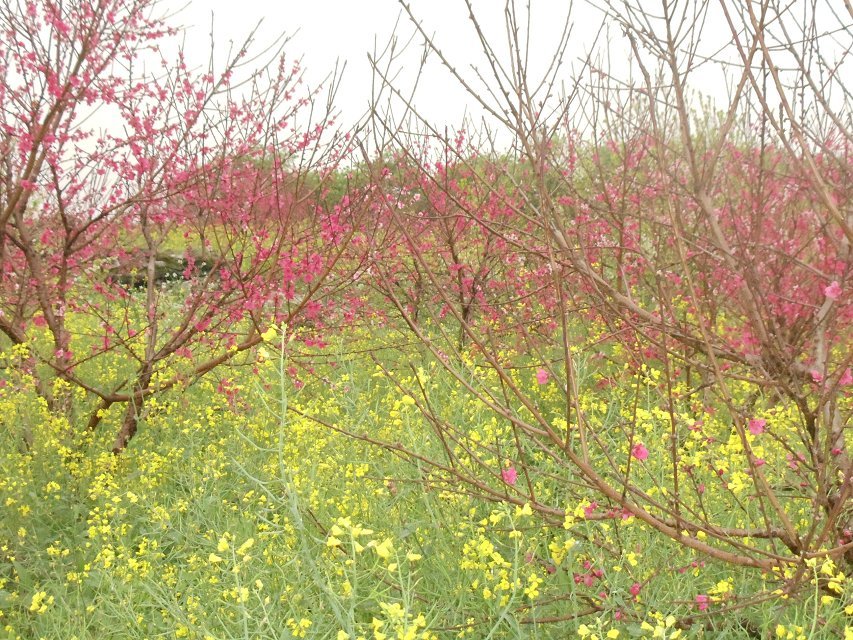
{"x":639,"y":451}
{"x":509,"y":475}
{"x":542,"y":376}
{"x":635,"y":589}
{"x":846,"y":378}
{"x":702,"y":601}
{"x":756,"y":426}
{"x":833,"y":291}
{"x":794,"y":462}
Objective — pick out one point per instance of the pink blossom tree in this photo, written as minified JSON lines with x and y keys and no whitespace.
{"x":698,"y":272}
{"x":215,"y":175}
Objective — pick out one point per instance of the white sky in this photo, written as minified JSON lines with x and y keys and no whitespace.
{"x":326,"y":31}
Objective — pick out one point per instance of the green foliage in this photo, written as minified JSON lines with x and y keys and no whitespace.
{"x":236,"y":516}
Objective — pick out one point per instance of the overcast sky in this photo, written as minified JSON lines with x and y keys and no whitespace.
{"x":326,"y":32}
{"x":345,"y":31}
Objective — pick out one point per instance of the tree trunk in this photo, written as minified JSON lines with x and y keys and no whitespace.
{"x":132,"y":414}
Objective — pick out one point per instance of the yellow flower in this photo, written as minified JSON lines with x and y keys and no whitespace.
{"x":613,"y":634}
{"x":532,"y":588}
{"x":41,"y":601}
{"x":244,"y":548}
{"x":384,"y":548}
{"x":213,"y":558}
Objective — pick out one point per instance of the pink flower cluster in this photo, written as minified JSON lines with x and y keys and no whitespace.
{"x":509,"y":475}
{"x":639,"y":451}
